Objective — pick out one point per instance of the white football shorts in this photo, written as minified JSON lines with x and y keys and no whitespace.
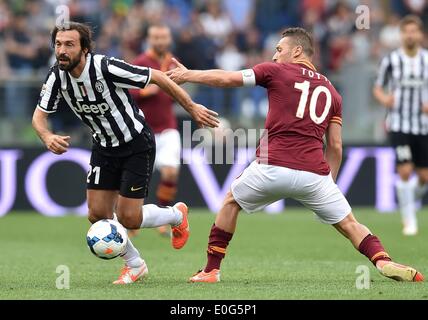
{"x":168,"y":149}
{"x":260,"y":185}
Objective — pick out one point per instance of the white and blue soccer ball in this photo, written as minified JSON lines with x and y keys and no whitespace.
{"x":107,"y":239}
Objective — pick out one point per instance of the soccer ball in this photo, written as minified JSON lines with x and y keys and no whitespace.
{"x":107,"y":239}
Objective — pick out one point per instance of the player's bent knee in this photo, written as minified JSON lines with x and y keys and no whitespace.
{"x":95,"y":215}
{"x":129,"y":219}
{"x":229,"y":199}
{"x":347,"y":225}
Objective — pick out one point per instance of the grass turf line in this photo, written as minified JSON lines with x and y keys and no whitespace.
{"x":286,"y":256}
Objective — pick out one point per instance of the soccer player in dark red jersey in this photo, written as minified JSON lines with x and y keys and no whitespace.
{"x":290,"y":162}
{"x":159,"y":113}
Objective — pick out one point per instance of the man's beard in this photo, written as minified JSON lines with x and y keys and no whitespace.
{"x":411,"y":45}
{"x":160,"y":51}
{"x":71,"y":63}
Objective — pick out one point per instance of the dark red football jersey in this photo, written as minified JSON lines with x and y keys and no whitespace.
{"x":158,"y":109}
{"x":302,"y":103}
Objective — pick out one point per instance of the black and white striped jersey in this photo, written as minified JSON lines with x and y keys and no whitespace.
{"x":407,"y":79}
{"x":99,"y":97}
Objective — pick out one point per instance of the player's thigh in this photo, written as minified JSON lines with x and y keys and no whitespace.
{"x":104,"y":172}
{"x":101,"y":204}
{"x":321,"y":195}
{"x":168,"y":149}
{"x":402,"y":145}
{"x":103,"y":183}
{"x":422,"y":174}
{"x":137,"y":171}
{"x":260,"y":185}
{"x":404,"y":148}
{"x":421,"y":157}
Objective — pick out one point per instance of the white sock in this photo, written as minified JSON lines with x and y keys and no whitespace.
{"x":154,"y":216}
{"x":131,"y":256}
{"x":406,"y":201}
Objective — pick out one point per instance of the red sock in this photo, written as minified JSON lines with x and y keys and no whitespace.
{"x":373,"y":249}
{"x":166,"y":193}
{"x":217,"y":244}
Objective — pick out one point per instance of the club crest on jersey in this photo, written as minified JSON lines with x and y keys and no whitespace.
{"x":99,"y":86}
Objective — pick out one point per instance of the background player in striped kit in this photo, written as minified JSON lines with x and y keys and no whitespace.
{"x":159,"y":113}
{"x":96,"y":88}
{"x":402,"y":87}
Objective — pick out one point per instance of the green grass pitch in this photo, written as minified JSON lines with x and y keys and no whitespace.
{"x":286,"y":256}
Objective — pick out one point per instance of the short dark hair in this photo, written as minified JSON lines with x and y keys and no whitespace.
{"x":84,"y":30}
{"x":302,"y":38}
{"x":411,"y":19}
{"x":160,"y":25}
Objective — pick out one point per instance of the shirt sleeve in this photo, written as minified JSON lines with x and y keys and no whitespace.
{"x":384,"y":72}
{"x":337,"y":111}
{"x":264,"y":73}
{"x":50,"y":93}
{"x":126,"y":75}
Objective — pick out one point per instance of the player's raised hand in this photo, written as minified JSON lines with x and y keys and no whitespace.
{"x":204,"y":116}
{"x":178,"y":74}
{"x":425,"y":108}
{"x":57,"y":144}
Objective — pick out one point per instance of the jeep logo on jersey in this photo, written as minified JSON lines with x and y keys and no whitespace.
{"x":99,"y":86}
{"x":100,"y":108}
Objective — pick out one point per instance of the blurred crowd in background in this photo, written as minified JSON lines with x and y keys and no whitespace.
{"x":226,"y":34}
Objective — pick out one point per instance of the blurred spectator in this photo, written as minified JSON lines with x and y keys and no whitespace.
{"x":340,"y":25}
{"x":389,"y":36}
{"x":230,"y":34}
{"x":404,"y":7}
{"x":215,"y":22}
{"x":21,"y":52}
{"x":229,"y":58}
{"x":272,"y":15}
{"x":5,"y":15}
{"x":240,"y":12}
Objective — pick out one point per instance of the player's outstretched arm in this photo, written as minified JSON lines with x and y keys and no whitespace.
{"x":214,"y":77}
{"x":333,"y":152}
{"x":202,"y":115}
{"x":53,"y":142}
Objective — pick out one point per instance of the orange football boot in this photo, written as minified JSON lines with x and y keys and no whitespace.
{"x":180,"y":233}
{"x":208,"y":277}
{"x":131,"y":275}
{"x":400,"y":272}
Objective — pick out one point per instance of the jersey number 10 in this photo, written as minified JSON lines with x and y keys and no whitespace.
{"x":304,"y":87}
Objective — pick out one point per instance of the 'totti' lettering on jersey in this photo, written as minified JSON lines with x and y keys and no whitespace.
{"x":313,"y":74}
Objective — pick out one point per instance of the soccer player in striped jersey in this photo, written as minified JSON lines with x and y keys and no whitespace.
{"x":95,"y":87}
{"x":402,"y":88}
{"x":290,"y":161}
